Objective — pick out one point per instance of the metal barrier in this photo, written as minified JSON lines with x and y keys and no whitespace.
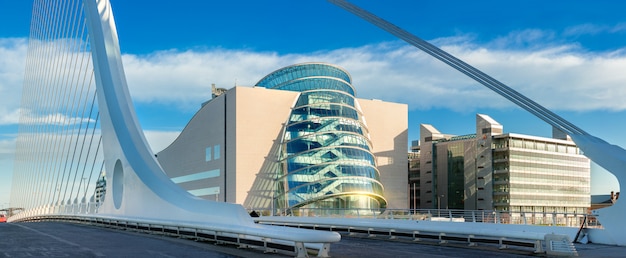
{"x":480,"y":216}
{"x":503,"y":236}
{"x":267,"y":238}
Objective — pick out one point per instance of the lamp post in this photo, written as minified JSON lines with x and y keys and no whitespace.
{"x":439,"y":204}
{"x":414,"y":197}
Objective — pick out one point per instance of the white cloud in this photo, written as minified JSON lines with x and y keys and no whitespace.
{"x":159,"y":140}
{"x":558,"y":77}
{"x":12,"y":64}
{"x":528,"y":39}
{"x":27,"y":117}
{"x":52,"y":119}
{"x":7,"y":148}
{"x":9,"y":117}
{"x":45,"y":98}
{"x":621,"y":27}
{"x":585,"y":29}
{"x":185,"y":78}
{"x":593,"y":29}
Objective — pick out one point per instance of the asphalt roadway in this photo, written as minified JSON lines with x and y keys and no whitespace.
{"x":55,"y":239}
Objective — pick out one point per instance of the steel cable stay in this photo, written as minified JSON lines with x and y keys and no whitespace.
{"x":58,"y":144}
{"x":73,"y":120}
{"x":31,"y":137}
{"x":46,"y":83}
{"x":50,"y":81}
{"x":37,"y":73}
{"x":95,"y":158}
{"x":69,"y":103}
{"x":84,"y":138}
{"x":77,"y":120}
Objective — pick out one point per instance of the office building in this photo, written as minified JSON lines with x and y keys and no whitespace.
{"x":492,"y":170}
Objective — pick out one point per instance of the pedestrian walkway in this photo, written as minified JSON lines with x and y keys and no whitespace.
{"x":56,"y":239}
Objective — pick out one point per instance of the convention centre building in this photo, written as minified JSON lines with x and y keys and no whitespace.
{"x":297,"y":139}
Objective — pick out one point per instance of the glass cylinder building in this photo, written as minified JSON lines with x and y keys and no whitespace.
{"x":326,"y":157}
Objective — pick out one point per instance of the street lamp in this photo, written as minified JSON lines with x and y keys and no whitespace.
{"x":439,"y":204}
{"x":414,"y":197}
{"x":439,"y":201}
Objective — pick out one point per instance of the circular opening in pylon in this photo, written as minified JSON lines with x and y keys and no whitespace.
{"x":118,"y":184}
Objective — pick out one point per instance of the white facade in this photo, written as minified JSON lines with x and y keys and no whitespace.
{"x":245,"y":125}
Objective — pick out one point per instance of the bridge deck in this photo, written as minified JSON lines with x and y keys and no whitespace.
{"x":53,"y":239}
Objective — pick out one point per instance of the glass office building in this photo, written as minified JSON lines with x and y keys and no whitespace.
{"x":538,"y":175}
{"x":492,"y":170}
{"x":326,"y":157}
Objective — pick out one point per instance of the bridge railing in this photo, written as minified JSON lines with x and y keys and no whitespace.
{"x":553,"y":241}
{"x":480,"y":216}
{"x":267,"y":238}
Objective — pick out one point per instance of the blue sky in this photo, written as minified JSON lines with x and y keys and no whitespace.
{"x":569,"y":56}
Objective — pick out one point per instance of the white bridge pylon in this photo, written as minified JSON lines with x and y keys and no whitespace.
{"x":136,"y":186}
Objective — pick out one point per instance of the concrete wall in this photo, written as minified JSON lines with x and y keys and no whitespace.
{"x":260,"y":116}
{"x":187,"y":154}
{"x":388,"y":127}
{"x":245,"y":123}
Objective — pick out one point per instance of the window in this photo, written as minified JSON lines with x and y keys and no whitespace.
{"x":207,"y":156}
{"x":212,"y":153}
{"x":216,"y":152}
{"x":197,"y":176}
{"x":541,"y":146}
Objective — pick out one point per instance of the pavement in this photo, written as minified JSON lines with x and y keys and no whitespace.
{"x":57,"y":239}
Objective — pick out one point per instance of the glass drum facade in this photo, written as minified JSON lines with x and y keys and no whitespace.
{"x":326,"y":155}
